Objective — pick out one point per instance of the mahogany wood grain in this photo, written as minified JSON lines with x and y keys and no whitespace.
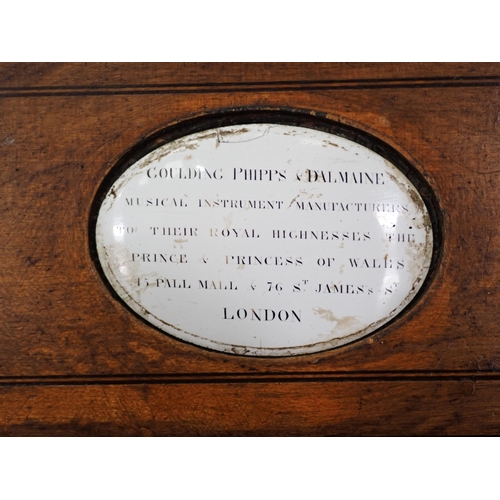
{"x":143,"y":75}
{"x":73,"y":360}
{"x":419,"y":407}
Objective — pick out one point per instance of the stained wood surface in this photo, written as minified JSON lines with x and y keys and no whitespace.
{"x":350,"y":407}
{"x":74,"y":360}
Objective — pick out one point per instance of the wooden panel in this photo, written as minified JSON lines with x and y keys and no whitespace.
{"x":77,"y":76}
{"x":60,"y":325}
{"x":432,"y":407}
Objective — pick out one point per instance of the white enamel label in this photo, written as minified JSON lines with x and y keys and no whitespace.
{"x":264,"y":239}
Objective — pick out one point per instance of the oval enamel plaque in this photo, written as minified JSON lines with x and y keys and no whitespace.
{"x":264,"y":239}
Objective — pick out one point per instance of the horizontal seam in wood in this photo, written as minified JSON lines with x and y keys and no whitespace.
{"x":167,"y":379}
{"x":146,"y":89}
